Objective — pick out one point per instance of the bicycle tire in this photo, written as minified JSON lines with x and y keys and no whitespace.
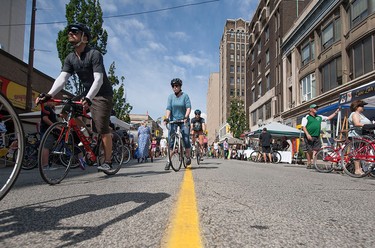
{"x":182,"y":154}
{"x":9,"y":170}
{"x":75,"y":163}
{"x":174,"y":154}
{"x":54,"y":171}
{"x":357,"y":150}
{"x":117,"y":154}
{"x":324,"y":159}
{"x":127,"y":154}
{"x":198,"y":154}
{"x":276,"y":157}
{"x":30,"y":160}
{"x":254,"y":156}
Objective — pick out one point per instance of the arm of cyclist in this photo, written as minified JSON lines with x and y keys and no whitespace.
{"x":187,"y":114}
{"x":94,"y":89}
{"x":57,"y":86}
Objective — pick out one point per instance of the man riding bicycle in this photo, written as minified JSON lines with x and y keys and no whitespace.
{"x":198,"y":127}
{"x":88,"y":64}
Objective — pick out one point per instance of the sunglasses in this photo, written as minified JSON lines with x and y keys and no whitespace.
{"x":74,"y":31}
{"x":175,"y":86}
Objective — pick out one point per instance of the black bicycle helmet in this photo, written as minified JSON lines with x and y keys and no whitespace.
{"x":197,"y":112}
{"x":176,"y":81}
{"x":82,"y":28}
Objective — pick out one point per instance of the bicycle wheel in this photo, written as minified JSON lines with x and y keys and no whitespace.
{"x":9,"y":170}
{"x":56,"y":143}
{"x":30,"y":160}
{"x":117,"y":154}
{"x":174,"y":154}
{"x":198,"y":154}
{"x":276,"y":157}
{"x":358,"y":152}
{"x":126,"y":154}
{"x":325,"y":159}
{"x":254,"y":156}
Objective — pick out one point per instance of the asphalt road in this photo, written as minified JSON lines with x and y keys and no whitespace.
{"x":240,"y":204}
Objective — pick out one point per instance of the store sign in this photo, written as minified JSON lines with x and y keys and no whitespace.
{"x":16,"y":93}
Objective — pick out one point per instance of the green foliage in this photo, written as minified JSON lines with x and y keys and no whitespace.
{"x":121,"y":107}
{"x":89,"y":13}
{"x":237,"y":118}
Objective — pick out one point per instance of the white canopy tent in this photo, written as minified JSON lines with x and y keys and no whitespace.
{"x":278,"y":130}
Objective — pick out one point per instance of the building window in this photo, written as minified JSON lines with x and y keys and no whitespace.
{"x":331,"y":33}
{"x":308,"y":87}
{"x":238,"y":69}
{"x":238,"y":57}
{"x":242,"y":47}
{"x":267,"y":33}
{"x":242,"y":69}
{"x":268,"y":82}
{"x":231,"y":68}
{"x":259,"y":46}
{"x":267,"y":57}
{"x":268,"y":110}
{"x":231,"y":92}
{"x":332,"y":74}
{"x":238,"y":46}
{"x":259,"y":67}
{"x":231,"y":46}
{"x":242,"y":93}
{"x":232,"y":35}
{"x":242,"y":57}
{"x":362,"y":57}
{"x":238,"y":81}
{"x":254,"y":118}
{"x":252,"y":75}
{"x":231,"y":80}
{"x":307,"y":52}
{"x":253,"y":95}
{"x":360,"y":9}
{"x":232,"y":57}
{"x":260,"y":113}
{"x":260,"y":88}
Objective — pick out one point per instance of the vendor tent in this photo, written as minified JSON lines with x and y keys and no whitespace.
{"x":119,"y":123}
{"x":278,"y":130}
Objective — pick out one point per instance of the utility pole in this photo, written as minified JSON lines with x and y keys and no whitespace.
{"x":31,"y":60}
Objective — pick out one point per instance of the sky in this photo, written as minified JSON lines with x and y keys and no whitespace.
{"x":149,"y":49}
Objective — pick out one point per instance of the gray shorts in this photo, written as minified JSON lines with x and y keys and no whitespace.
{"x":101,"y":110}
{"x":312,"y":145}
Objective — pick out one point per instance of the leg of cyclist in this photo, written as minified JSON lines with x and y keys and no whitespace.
{"x":101,"y":109}
{"x":170,"y":144}
{"x":185,"y":129}
{"x":201,"y":140}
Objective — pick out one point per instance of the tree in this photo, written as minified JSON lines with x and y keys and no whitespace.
{"x":237,"y":118}
{"x":121,"y":107}
{"x":89,"y":13}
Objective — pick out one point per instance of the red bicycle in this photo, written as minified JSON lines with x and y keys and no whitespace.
{"x":60,"y":142}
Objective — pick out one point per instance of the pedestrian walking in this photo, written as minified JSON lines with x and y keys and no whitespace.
{"x":265,"y":139}
{"x":144,"y":134}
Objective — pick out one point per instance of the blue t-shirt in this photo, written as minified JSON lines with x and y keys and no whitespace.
{"x":178,"y":106}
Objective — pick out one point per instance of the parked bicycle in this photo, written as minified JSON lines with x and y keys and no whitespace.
{"x":30,"y":160}
{"x":176,"y":152}
{"x":257,"y":156}
{"x":328,"y":158}
{"x":61,"y":142}
{"x":14,"y":135}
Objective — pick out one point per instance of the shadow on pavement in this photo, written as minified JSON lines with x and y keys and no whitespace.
{"x":45,"y":217}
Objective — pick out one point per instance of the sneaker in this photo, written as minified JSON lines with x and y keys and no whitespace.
{"x":167,"y":166}
{"x":49,"y":168}
{"x":188,"y":161}
{"x":82,"y":163}
{"x":309,"y":166}
{"x":105,"y":167}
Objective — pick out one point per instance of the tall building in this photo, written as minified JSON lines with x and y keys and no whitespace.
{"x":232,"y":74}
{"x":264,"y":88}
{"x":213,"y":103}
{"x":12,"y":27}
{"x":329,"y":50}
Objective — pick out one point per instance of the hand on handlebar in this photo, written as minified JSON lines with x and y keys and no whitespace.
{"x":86,"y":102}
{"x":42,"y":98}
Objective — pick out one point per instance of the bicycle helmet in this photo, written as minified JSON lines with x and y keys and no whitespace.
{"x":197,"y":112}
{"x":176,"y":81}
{"x":85,"y":30}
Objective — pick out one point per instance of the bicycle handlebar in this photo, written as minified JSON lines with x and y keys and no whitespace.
{"x":66,"y":101}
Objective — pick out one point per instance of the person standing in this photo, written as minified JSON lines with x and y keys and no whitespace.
{"x":144,"y":134}
{"x":357,"y":121}
{"x":226,"y":148}
{"x":265,"y":139}
{"x":88,"y":64}
{"x":163,"y":147}
{"x":311,"y":126}
{"x":47,"y":118}
{"x":178,"y":108}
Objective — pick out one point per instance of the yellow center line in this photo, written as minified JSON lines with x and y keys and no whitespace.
{"x":184,"y":231}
